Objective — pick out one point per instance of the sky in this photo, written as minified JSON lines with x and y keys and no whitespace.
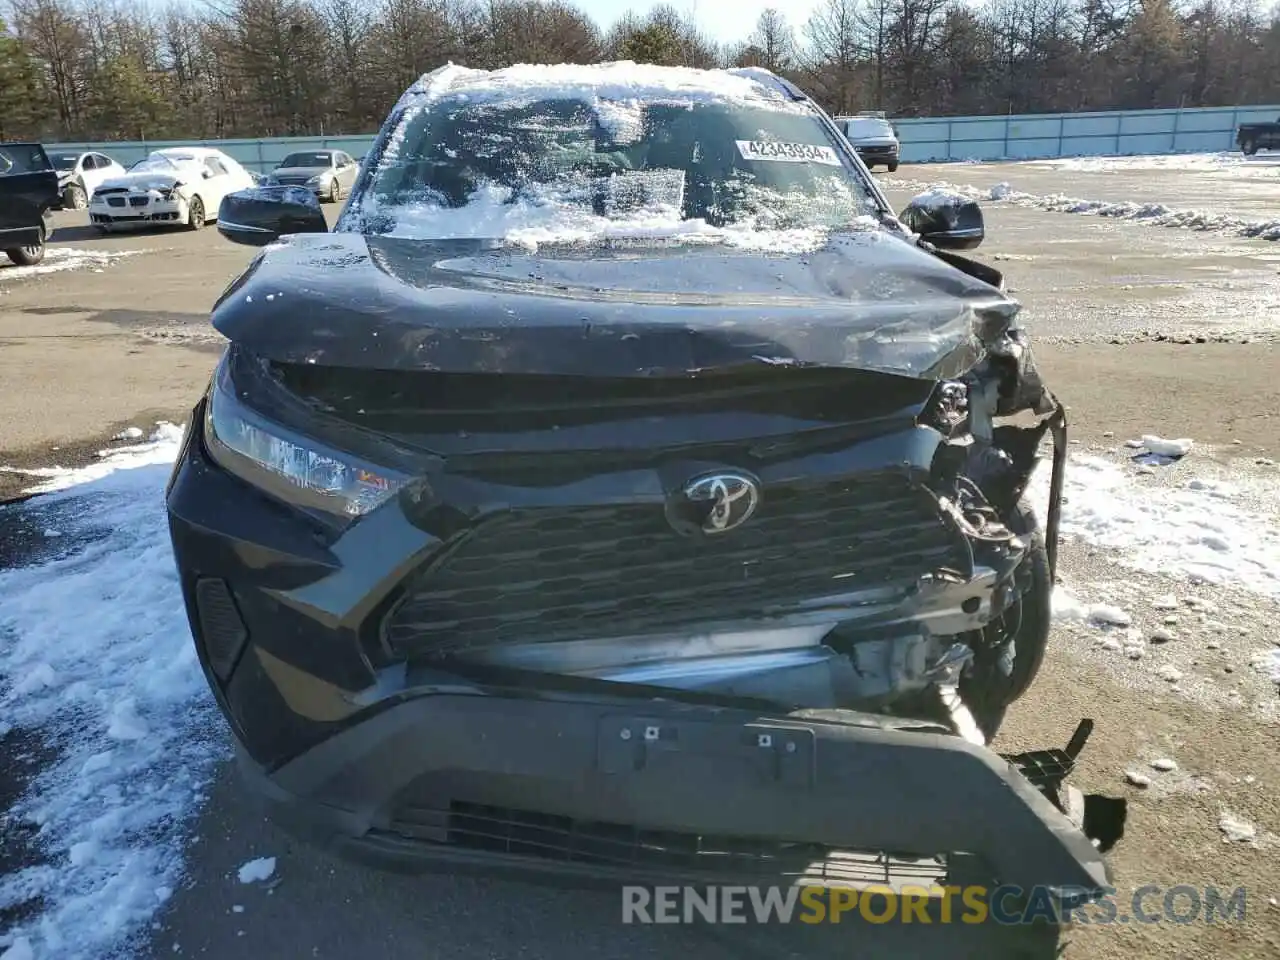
{"x":725,"y":21}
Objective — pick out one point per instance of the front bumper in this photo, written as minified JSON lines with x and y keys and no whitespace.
{"x":877,"y":154}
{"x":137,"y":210}
{"x":589,"y":788}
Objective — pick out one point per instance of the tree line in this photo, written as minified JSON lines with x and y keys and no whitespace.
{"x":120,"y":70}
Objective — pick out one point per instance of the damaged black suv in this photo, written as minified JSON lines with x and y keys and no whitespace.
{"x":617,"y":475}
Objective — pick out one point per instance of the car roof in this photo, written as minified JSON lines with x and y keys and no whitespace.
{"x":196,"y":152}
{"x":615,"y":80}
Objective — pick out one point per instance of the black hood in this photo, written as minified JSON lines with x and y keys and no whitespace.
{"x":866,"y":300}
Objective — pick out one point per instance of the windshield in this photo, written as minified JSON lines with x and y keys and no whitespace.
{"x":307,"y":160}
{"x":865,"y":128}
{"x":159,"y":162}
{"x":64,"y":161}
{"x":685,"y":162}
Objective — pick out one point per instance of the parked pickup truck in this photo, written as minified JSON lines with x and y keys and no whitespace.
{"x":1252,"y":137}
{"x":28,"y":191}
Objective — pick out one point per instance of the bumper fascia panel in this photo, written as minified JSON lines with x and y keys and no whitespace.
{"x":843,"y":779}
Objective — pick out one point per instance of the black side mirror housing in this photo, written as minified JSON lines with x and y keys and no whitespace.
{"x":261,"y":215}
{"x":947,"y":221}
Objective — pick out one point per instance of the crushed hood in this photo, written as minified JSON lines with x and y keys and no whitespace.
{"x":149,"y":179}
{"x":865,"y":300}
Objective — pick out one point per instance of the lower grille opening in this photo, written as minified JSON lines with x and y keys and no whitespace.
{"x":524,"y":833}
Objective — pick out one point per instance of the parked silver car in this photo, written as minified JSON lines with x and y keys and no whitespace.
{"x":330,"y":174}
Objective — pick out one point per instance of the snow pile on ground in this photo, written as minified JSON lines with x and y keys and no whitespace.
{"x":58,"y":259}
{"x":97,"y":664}
{"x":1156,"y":214}
{"x":1199,"y":528}
{"x":1232,"y":163}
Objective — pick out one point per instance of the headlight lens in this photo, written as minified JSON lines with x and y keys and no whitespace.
{"x":296,"y":468}
{"x":316,"y":179}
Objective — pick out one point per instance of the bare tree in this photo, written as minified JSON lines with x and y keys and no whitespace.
{"x":76,"y":69}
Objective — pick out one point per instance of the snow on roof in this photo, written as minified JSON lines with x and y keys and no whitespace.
{"x":619,"y":80}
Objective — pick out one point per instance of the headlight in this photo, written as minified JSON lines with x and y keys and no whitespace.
{"x":316,"y":180}
{"x":295,"y":468}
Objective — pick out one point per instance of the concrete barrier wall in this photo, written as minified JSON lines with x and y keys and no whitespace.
{"x":1114,"y":133}
{"x":1014,"y":137}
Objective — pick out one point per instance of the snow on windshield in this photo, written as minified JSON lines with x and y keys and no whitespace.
{"x":573,"y":154}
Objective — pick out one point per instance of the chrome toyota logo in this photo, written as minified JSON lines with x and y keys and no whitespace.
{"x":731,"y":497}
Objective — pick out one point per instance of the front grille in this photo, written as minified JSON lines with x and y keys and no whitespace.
{"x":619,"y":570}
{"x":291,"y":181}
{"x":116,"y":201}
{"x":542,"y":836}
{"x":138,"y":201}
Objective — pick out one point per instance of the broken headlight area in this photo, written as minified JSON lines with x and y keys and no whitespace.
{"x":297,"y":469}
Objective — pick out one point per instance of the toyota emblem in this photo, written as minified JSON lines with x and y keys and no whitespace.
{"x":726,"y":500}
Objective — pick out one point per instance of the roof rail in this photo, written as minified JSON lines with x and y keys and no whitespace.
{"x":770,"y":79}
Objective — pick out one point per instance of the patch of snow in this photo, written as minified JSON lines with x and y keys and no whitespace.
{"x":121,"y":699}
{"x":1137,"y":779}
{"x":20,"y":949}
{"x":1236,"y":829}
{"x":939,"y":197}
{"x":1164,"y":764}
{"x":622,"y":82}
{"x":129,"y":433}
{"x":1063,"y":605}
{"x":58,"y":259}
{"x":1216,"y":535}
{"x":1165,"y":601}
{"x":1108,"y":614}
{"x":1234,"y":164}
{"x":1167,"y":448}
{"x":256,"y":871}
{"x":1169,"y":673}
{"x":557,"y":216}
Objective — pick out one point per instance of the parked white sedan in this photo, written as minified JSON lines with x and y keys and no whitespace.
{"x":79,"y":174}
{"x":177,"y":185}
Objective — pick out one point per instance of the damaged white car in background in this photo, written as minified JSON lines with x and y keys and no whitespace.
{"x":177,"y":185}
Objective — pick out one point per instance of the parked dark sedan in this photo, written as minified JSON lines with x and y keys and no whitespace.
{"x":621,"y":483}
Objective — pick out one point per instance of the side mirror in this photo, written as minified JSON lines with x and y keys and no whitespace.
{"x":261,"y":215}
{"x":946,"y":220}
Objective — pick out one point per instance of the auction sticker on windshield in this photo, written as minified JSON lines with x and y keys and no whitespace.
{"x":787,"y":152}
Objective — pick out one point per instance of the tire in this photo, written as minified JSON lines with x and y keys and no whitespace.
{"x":27,"y":256}
{"x":73,"y":197}
{"x":893,"y":167}
{"x":988,"y":692}
{"x":195,"y":214}
{"x":335,"y":191}
{"x":1249,"y":148}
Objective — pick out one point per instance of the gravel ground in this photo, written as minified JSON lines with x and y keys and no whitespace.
{"x":86,"y":353}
